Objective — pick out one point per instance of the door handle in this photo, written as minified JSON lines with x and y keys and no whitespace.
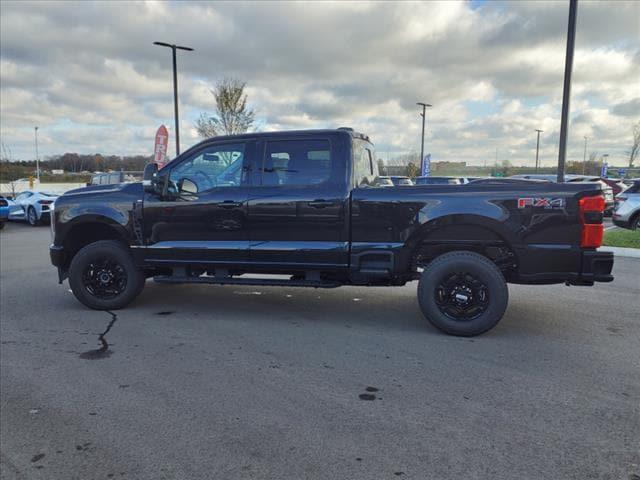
{"x":320,"y":203}
{"x":229,"y":204}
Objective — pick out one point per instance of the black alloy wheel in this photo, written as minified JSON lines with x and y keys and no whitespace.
{"x":104,"y":278}
{"x":103,"y":275}
{"x":462,"y":297}
{"x":462,"y":293}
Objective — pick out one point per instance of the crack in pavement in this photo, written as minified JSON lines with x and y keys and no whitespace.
{"x":103,"y":351}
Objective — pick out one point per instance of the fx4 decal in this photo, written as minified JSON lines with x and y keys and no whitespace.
{"x":545,"y":202}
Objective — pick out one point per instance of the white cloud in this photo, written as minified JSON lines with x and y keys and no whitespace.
{"x":92,"y":80}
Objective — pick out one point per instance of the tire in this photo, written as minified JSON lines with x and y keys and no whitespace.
{"x":635,"y":222}
{"x":32,"y":217}
{"x":463,"y":293}
{"x":103,"y":276}
{"x":1,"y":225}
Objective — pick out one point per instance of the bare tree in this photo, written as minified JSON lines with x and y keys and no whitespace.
{"x":635,"y":148}
{"x":6,"y":157}
{"x":232,"y":115}
{"x":593,"y":156}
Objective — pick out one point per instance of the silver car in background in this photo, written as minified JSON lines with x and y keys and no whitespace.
{"x":34,"y":207}
{"x":627,"y":209}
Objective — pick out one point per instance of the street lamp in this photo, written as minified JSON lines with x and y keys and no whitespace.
{"x":37,"y":157}
{"x":566,"y":91}
{"x":537,"y":148}
{"x":584,"y":157}
{"x":175,"y":86}
{"x":424,"y":108}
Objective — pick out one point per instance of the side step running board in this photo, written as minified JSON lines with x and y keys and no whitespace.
{"x":268,"y":282}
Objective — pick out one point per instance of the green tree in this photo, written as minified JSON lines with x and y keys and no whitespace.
{"x":232,"y":115}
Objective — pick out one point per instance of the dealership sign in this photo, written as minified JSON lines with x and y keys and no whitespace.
{"x":160,"y":146}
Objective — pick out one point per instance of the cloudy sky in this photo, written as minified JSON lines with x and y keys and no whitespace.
{"x":88,"y":75}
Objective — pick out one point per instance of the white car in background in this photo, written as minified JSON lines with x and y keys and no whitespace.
{"x":34,"y":207}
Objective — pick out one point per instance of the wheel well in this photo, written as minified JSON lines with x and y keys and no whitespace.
{"x":634,"y":217}
{"x":459,"y":237}
{"x":82,"y":235}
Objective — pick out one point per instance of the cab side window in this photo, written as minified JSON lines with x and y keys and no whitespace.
{"x":212,"y":167}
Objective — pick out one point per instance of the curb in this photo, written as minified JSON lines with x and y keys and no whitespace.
{"x":622,"y":252}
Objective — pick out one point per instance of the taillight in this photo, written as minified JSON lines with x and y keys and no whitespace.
{"x":591,"y":213}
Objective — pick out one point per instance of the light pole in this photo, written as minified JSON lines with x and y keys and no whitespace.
{"x":175,"y":86}
{"x":566,"y":93}
{"x":537,"y":148}
{"x":37,"y":157}
{"x":584,"y":157}
{"x":424,"y":109}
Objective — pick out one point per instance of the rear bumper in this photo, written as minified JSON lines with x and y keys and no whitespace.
{"x":596,"y":267}
{"x":563,"y":264}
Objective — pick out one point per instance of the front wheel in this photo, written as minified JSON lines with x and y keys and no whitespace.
{"x":463,"y":293}
{"x":103,"y":276}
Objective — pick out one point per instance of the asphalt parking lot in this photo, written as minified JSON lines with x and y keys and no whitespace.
{"x":234,"y":382}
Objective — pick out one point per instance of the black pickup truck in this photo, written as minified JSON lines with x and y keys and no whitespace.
{"x":303,"y":208}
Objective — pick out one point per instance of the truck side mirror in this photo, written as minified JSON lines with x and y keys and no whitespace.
{"x":186,"y":185}
{"x":149,"y":177}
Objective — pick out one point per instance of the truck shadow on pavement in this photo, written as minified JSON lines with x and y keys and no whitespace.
{"x":377,"y":308}
{"x":349,"y":306}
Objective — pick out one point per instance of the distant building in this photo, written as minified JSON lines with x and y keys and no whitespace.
{"x":57,"y":172}
{"x":447,"y":165}
{"x":396,"y":170}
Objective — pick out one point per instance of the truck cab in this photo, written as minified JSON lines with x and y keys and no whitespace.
{"x":279,"y":202}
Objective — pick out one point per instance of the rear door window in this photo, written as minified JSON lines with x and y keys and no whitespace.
{"x":296,"y":162}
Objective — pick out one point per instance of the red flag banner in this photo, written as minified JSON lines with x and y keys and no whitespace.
{"x":160,"y":146}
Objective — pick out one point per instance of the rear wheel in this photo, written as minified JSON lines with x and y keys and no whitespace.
{"x":103,"y":276}
{"x":32,"y":217}
{"x":635,"y":222}
{"x":463,"y":293}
